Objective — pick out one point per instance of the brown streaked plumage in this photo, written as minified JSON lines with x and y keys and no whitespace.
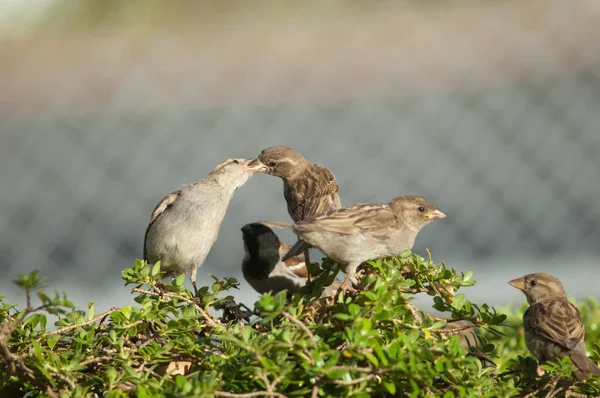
{"x":263,"y":267}
{"x":184,"y":225}
{"x":553,"y":326}
{"x":355,"y":234}
{"x":309,"y":189}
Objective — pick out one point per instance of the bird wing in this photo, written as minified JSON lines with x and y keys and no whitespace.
{"x":558,"y":321}
{"x":314,"y":193}
{"x":160,"y":208}
{"x":368,"y":219}
{"x":296,"y":264}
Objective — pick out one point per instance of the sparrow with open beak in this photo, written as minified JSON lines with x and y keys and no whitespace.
{"x":263,"y":267}
{"x":309,"y":189}
{"x":185,"y":224}
{"x":355,"y":234}
{"x":553,"y":326}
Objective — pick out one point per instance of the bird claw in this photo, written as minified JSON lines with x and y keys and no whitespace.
{"x":345,"y":286}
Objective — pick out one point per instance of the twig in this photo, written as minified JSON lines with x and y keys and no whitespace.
{"x":301,"y":326}
{"x":433,"y":317}
{"x":365,"y":369}
{"x":551,"y":383}
{"x":355,"y":381}
{"x":315,"y":392}
{"x":64,"y":378}
{"x":413,"y":311}
{"x":555,"y":393}
{"x":76,"y":325}
{"x":457,"y":329}
{"x":209,"y":319}
{"x":552,"y":387}
{"x":95,"y":360}
{"x":248,"y":395}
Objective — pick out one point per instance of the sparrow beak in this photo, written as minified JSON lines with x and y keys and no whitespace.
{"x":256,"y":166}
{"x":435,"y":215}
{"x":519,"y":283}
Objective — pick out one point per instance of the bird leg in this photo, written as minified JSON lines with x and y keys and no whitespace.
{"x":350,"y":276}
{"x":193,"y":279}
{"x":307,"y":262}
{"x":351,"y":272}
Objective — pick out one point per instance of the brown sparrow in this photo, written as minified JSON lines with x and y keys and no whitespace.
{"x":553,"y":326}
{"x":362,"y":232}
{"x":309,"y":189}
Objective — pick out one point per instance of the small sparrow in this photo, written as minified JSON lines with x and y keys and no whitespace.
{"x":309,"y":189}
{"x":264,"y":268}
{"x":185,"y":224}
{"x":553,"y":326}
{"x":355,"y":234}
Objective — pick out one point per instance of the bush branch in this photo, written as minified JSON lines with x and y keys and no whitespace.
{"x":76,"y":325}
{"x":209,"y":319}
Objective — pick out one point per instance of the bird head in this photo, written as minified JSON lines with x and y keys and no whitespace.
{"x":539,"y":286}
{"x":280,"y":161}
{"x":416,"y":211}
{"x":261,"y":244}
{"x":233,"y":172}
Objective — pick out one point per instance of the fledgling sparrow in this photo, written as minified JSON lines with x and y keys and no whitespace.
{"x":263,"y":267}
{"x":185,"y":224}
{"x":355,"y":234}
{"x":309,"y":189}
{"x":553,"y":326}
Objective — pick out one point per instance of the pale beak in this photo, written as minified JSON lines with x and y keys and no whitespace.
{"x":256,"y":166}
{"x":435,"y":215}
{"x":519,"y":283}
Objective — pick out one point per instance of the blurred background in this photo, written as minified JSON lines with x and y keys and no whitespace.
{"x":490,"y":109}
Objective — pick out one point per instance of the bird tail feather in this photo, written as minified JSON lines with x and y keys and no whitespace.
{"x":584,"y":364}
{"x":277,"y":224}
{"x":299,"y":247}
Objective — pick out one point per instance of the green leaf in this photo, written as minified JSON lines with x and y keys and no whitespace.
{"x":126,"y":311}
{"x":91,"y":310}
{"x":179,"y":281}
{"x":438,"y":325}
{"x":390,"y":387}
{"x":52,"y":340}
{"x":156,"y":269}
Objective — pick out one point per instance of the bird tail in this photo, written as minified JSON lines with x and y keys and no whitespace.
{"x":584,"y":364}
{"x":299,"y":247}
{"x":277,"y":224}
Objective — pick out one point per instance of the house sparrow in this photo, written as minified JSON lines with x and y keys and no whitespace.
{"x":362,"y":232}
{"x":553,"y":326}
{"x":263,"y":267}
{"x":185,"y":224}
{"x":309,"y":189}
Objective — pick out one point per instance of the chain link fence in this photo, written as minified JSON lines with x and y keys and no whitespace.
{"x":490,"y":110}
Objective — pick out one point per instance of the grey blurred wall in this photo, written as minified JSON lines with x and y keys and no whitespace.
{"x":490,"y":110}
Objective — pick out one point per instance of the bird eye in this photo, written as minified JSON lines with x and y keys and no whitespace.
{"x":533,"y":283}
{"x":272,"y":163}
{"x":421,"y":209}
{"x":236,"y":161}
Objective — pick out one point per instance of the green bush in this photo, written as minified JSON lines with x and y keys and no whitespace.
{"x":372,"y":342}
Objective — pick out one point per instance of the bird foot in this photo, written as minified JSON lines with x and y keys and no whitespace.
{"x":345,"y":286}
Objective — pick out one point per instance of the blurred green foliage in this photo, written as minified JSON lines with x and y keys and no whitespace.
{"x":372,"y":342}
